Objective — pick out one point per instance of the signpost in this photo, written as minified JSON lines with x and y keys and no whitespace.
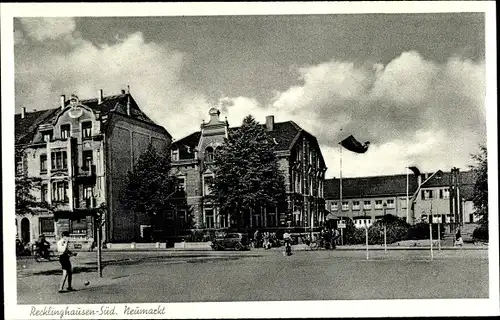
{"x":341,"y":225}
{"x":366,"y":229}
{"x":430,"y":237}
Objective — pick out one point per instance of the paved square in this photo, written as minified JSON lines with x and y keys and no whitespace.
{"x":167,"y":276}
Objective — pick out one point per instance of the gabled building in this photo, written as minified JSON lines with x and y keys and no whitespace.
{"x":447,"y":197}
{"x":82,"y":151}
{"x":444,"y":196}
{"x":300,"y":160}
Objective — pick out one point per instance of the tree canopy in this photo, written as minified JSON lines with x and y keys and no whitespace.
{"x":26,"y":202}
{"x":480,"y":195}
{"x":247,"y":175}
{"x":149,"y":187}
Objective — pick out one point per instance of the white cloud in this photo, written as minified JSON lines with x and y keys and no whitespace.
{"x":152,"y":71}
{"x":414,"y":111}
{"x":47,"y":28}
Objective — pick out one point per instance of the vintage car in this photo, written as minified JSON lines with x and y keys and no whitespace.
{"x":237,"y":241}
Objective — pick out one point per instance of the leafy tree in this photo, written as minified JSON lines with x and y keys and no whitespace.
{"x":480,"y":195}
{"x":247,"y":175}
{"x":150,"y":187}
{"x":26,"y":202}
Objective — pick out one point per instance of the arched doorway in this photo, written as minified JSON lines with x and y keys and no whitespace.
{"x":25,"y":230}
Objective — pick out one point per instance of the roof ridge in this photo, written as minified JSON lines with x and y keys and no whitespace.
{"x":364,"y":177}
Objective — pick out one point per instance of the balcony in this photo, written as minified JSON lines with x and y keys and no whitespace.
{"x":87,"y":173}
{"x":89,"y":203}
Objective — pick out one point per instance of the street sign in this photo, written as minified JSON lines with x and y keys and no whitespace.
{"x":341,"y":224}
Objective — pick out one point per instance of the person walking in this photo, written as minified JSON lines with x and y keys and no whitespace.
{"x":64,"y":259}
{"x":458,"y":238}
{"x":287,"y":239}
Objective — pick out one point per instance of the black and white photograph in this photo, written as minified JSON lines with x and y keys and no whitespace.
{"x":225,"y":160}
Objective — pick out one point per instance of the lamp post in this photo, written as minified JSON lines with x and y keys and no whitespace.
{"x":385,"y":229}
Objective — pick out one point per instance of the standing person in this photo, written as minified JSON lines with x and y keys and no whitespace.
{"x":64,"y":255}
{"x":336,"y":235}
{"x":256,"y":238}
{"x":287,"y":238}
{"x":458,"y":238}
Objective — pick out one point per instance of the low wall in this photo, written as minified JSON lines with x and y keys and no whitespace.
{"x":192,"y":245}
{"x":133,"y":245}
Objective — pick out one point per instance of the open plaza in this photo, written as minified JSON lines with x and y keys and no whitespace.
{"x":259,"y":275}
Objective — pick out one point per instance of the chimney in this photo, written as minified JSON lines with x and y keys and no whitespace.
{"x":63,"y":101}
{"x":123,"y":91}
{"x":99,"y":96}
{"x":270,"y":123}
{"x":23,"y":111}
{"x":128,"y":89}
{"x":128,"y":106}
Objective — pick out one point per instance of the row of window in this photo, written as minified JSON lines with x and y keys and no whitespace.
{"x":59,"y":160}
{"x":367,"y":204}
{"x":210,"y":220}
{"x":60,"y":192}
{"x":208,"y":155}
{"x":76,"y":226}
{"x":312,"y":187}
{"x":429,"y":194}
{"x":66,"y":132}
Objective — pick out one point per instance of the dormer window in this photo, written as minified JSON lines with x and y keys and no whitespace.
{"x":47,"y":135}
{"x":175,"y":154}
{"x":209,"y":154}
{"x":65,"y":130}
{"x":86,"y":130}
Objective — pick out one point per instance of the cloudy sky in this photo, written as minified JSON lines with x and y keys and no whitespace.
{"x":411,"y":84}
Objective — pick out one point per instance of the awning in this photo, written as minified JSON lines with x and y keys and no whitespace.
{"x":331,"y":216}
{"x":75,"y":214}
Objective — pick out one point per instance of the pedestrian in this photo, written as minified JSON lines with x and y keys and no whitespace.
{"x":458,"y":239}
{"x":64,"y":259}
{"x":336,"y":235}
{"x":256,"y":238}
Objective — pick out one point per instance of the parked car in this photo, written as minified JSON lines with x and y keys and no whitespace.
{"x":238,"y":241}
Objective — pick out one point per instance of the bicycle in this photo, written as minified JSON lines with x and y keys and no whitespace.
{"x":315,"y":245}
{"x":39,"y":257}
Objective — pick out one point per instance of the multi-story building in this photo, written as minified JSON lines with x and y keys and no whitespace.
{"x":82,"y":151}
{"x":300,"y":160}
{"x":411,"y":197}
{"x":446,"y":197}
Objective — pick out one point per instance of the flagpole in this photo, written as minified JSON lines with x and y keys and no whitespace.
{"x":407,"y":191}
{"x":340,"y":205}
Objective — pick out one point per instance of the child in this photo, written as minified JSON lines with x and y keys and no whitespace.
{"x":64,"y":255}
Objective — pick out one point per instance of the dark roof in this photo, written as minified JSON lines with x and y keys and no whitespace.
{"x":283,"y":132}
{"x":393,"y":185}
{"x":25,"y":128}
{"x":369,"y":186}
{"x":444,"y":179}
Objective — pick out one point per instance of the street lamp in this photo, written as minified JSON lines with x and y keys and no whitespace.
{"x":385,"y":229}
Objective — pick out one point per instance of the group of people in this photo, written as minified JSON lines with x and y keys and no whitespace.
{"x":265,"y":240}
{"x":329,"y":237}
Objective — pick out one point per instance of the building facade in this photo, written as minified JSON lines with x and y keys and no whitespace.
{"x":414,"y":198}
{"x":300,"y":160}
{"x":81,"y":152}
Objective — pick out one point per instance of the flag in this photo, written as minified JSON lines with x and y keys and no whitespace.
{"x":354,"y":145}
{"x":415,"y":170}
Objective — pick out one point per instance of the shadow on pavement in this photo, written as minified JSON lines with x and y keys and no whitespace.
{"x":92,"y":266}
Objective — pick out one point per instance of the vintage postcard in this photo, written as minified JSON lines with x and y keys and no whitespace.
{"x":249,"y":160}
